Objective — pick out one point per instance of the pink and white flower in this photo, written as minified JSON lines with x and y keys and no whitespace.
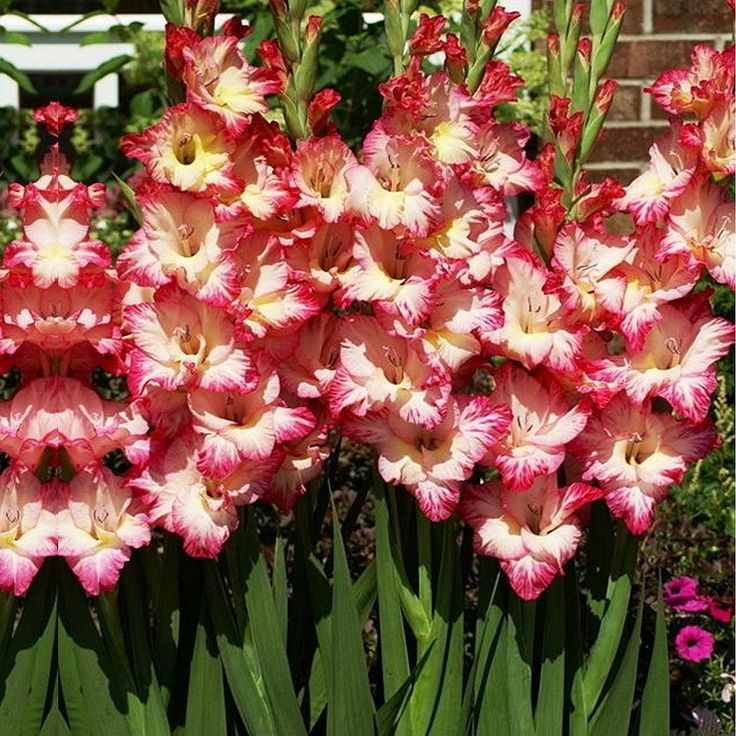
{"x":378,"y":371}
{"x":219,"y":78}
{"x":181,"y":342}
{"x":672,"y":163}
{"x":700,"y":225}
{"x":396,"y":280}
{"x":61,"y":413}
{"x":28,"y":529}
{"x":533,"y":533}
{"x":239,"y":427}
{"x":397,"y":185}
{"x":637,"y":454}
{"x":537,"y":328}
{"x":675,"y":361}
{"x":543,"y":423}
{"x":182,"y":241}
{"x":320,"y":174}
{"x":99,"y":522}
{"x":432,"y":463}
{"x":189,"y":148}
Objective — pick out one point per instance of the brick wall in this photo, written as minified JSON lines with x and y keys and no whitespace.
{"x":656,"y":35}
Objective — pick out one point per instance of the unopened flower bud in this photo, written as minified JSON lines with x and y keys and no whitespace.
{"x":553,"y":45}
{"x":199,"y":15}
{"x":427,"y":38}
{"x":604,"y":96}
{"x":312,"y":31}
{"x":584,"y":49}
{"x":456,"y":61}
{"x":495,"y":24}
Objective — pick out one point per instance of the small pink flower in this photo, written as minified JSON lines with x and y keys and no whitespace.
{"x":679,"y":590}
{"x":696,"y":605}
{"x":694,"y":644}
{"x":723,"y":613}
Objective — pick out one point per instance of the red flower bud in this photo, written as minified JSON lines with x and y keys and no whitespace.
{"x":496,"y":23}
{"x":270,"y":53}
{"x":617,"y":12}
{"x":553,"y":45}
{"x":318,"y":111}
{"x":55,"y":117}
{"x":585,"y":46}
{"x":456,"y":60}
{"x":565,"y":127}
{"x":311,"y":32}
{"x":177,"y":39}
{"x":604,"y":95}
{"x":235,"y":27}
{"x":428,"y":36}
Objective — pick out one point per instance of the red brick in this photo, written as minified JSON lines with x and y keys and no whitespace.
{"x":626,"y":104}
{"x":626,"y":144}
{"x":632,"y":20}
{"x":693,"y":16}
{"x":656,"y":112}
{"x":624,"y":176}
{"x":648,"y":58}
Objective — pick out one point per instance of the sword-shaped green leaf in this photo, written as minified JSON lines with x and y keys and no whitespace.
{"x":654,"y":711}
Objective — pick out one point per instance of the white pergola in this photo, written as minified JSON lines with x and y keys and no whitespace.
{"x":59,"y":51}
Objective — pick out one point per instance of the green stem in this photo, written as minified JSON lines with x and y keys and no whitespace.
{"x":424,"y":551}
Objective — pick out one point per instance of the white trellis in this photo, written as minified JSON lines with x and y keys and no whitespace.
{"x":59,"y":52}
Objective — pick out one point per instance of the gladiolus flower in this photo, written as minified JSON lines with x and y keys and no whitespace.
{"x":388,"y":275}
{"x":671,"y":166}
{"x":719,"y":140}
{"x":28,"y":529}
{"x":535,"y":328}
{"x":239,"y":427}
{"x":320,"y":170}
{"x":637,"y":454}
{"x":495,"y":25}
{"x":532,"y":533}
{"x":60,"y":413}
{"x":57,"y":319}
{"x":396,"y":185}
{"x":432,"y":463}
{"x":694,"y":90}
{"x":700,"y":225}
{"x":219,"y":79}
{"x":376,"y":371}
{"x":183,"y":241}
{"x":501,"y":161}
{"x":100,"y":521}
{"x":676,"y":359}
{"x":182,"y":342}
{"x":542,"y":424}
{"x":184,"y":501}
{"x":189,"y":148}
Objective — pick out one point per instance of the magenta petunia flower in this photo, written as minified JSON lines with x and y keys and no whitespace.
{"x":680,"y":591}
{"x":694,"y":644}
